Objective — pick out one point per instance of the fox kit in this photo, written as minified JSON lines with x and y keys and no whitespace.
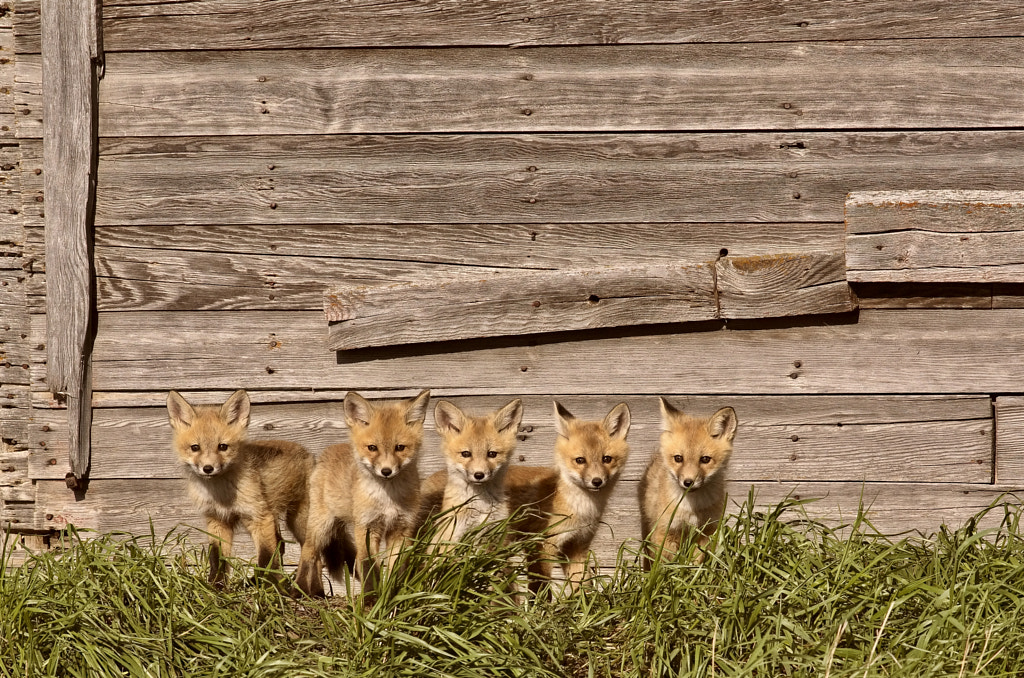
{"x":364,"y":496}
{"x":682,"y":493}
{"x":477,"y":451}
{"x":233,"y":480}
{"x":568,"y":500}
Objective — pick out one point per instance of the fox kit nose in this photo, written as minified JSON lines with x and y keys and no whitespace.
{"x":386,"y":471}
{"x":479,"y":475}
{"x":208,"y":469}
{"x":597,"y":482}
{"x":687,"y":482}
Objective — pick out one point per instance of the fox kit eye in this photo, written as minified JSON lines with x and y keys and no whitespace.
{"x":705,"y":459}
{"x":580,"y":460}
{"x":194,"y":448}
{"x":222,"y":447}
{"x":371,"y":448}
{"x":467,"y":454}
{"x":606,"y":459}
{"x":492,"y":453}
{"x":678,"y":458}
{"x":399,"y":448}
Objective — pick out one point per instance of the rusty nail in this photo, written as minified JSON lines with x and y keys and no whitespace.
{"x":268,"y":427}
{"x":793,"y":175}
{"x":264,"y":111}
{"x":528,"y":76}
{"x":522,"y":457}
{"x":523,"y":368}
{"x":787,"y":105}
{"x":46,"y":428}
{"x":52,"y":462}
{"x":797,"y":364}
{"x":262,"y":78}
{"x":803,"y":24}
{"x":38,"y":172}
{"x":529,"y":429}
{"x":526,"y":19}
{"x":793,"y":457}
{"x":39,"y":198}
{"x":793,"y":375}
{"x":270,"y":370}
{"x":521,"y":437}
{"x":536,"y":304}
{"x":532,"y":200}
{"x":796,"y":196}
{"x":273,"y":205}
{"x":794,"y":438}
{"x":527,"y":111}
{"x":270,"y":167}
{"x":531,"y":168}
{"x":270,"y":297}
{"x":49,"y":516}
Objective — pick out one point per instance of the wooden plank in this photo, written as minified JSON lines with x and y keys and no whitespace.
{"x":915,"y":351}
{"x":518,"y":302}
{"x":27,"y":29}
{"x":1009,"y":420}
{"x":27,"y":96}
{"x":925,"y":439}
{"x":641,"y":88}
{"x":893,"y":508}
{"x":70,"y":51}
{"x":935,"y":236}
{"x":528,"y":302}
{"x":924,"y":295}
{"x":238,"y":24}
{"x":576,"y":178}
{"x":287,"y":267}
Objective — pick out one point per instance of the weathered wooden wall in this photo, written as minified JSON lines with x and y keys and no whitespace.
{"x":250,"y":160}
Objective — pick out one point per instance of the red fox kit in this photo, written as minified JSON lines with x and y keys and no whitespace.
{"x":364,"y":496}
{"x":569,"y":499}
{"x":233,"y":480}
{"x":682,"y":494}
{"x":477,"y":451}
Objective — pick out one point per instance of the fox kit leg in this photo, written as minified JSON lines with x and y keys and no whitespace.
{"x":367,"y":549}
{"x":297,"y":518}
{"x":575,"y":568}
{"x":317,"y":535}
{"x":267,"y":539}
{"x":221,"y":536}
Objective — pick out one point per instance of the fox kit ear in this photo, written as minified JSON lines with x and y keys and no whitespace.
{"x":668,"y":413}
{"x":448,"y":418}
{"x":179,"y":411}
{"x":357,"y":409}
{"x":562,"y":419}
{"x":617,"y":421}
{"x":509,"y":416}
{"x":417,"y":411}
{"x":723,"y":424}
{"x":235,"y":411}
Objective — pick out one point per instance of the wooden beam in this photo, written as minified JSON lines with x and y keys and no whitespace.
{"x":781,"y":438}
{"x":70,"y":72}
{"x":878,"y":351}
{"x":502,"y":303}
{"x":526,"y":178}
{"x":935,"y":236}
{"x":569,"y":89}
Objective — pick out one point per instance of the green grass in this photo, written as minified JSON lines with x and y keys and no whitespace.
{"x":777,"y":596}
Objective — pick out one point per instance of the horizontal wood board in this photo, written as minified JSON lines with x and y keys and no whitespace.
{"x":235,"y":24}
{"x":823,"y":438}
{"x":956,"y":83}
{"x":875,"y":351}
{"x":446,"y":308}
{"x":799,"y":176}
{"x":892,"y":508}
{"x":935,"y":236}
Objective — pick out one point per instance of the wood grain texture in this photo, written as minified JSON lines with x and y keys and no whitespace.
{"x":824,"y":438}
{"x":661,"y":87}
{"x":288,"y":267}
{"x":893,"y":508}
{"x":69,"y":49}
{"x":506,"y":303}
{"x":914,"y":351}
{"x":574,"y":178}
{"x":27,"y":96}
{"x":238,"y":24}
{"x":1009,"y":417}
{"x":936,"y":236}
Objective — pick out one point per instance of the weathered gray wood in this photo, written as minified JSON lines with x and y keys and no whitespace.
{"x":468,"y":305}
{"x":518,"y":302}
{"x":287,"y":267}
{"x":1009,"y":418}
{"x":69,"y":39}
{"x":27,"y":96}
{"x":660,"y":87}
{"x":534,"y":178}
{"x":935,"y":236}
{"x":823,"y":438}
{"x":893,"y":508}
{"x":238,"y":24}
{"x":915,"y":351}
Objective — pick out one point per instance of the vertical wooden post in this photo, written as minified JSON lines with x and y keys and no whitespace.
{"x":71,"y":63}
